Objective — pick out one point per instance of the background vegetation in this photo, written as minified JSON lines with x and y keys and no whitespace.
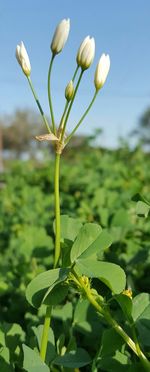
{"x":97,"y":185}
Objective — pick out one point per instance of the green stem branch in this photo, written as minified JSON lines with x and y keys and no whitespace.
{"x":128,"y":340}
{"x":38,"y":104}
{"x":113,"y":323}
{"x":63,"y":117}
{"x":71,"y":103}
{"x":49,"y":94}
{"x":67,"y":104}
{"x":75,"y":73}
{"x":144,"y":361}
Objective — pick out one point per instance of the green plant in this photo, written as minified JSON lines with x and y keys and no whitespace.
{"x":81,"y":255}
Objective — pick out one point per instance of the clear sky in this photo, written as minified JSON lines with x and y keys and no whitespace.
{"x":120,"y":28}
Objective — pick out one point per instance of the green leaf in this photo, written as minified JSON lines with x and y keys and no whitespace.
{"x":43,"y":283}
{"x":81,"y":311}
{"x":72,"y":344}
{"x":65,"y":253}
{"x":121,"y":218}
{"x":32,"y":361}
{"x":125,"y":303}
{"x":69,"y":227}
{"x":63,"y":312}
{"x":141,"y":316}
{"x":5,"y":354}
{"x":142,"y":205}
{"x":110,"y":274}
{"x":86,"y":319}
{"x":4,"y":365}
{"x":141,"y":303}
{"x":80,"y":316}
{"x":74,"y":359}
{"x":107,"y":347}
{"x":51,"y":352}
{"x":138,"y":197}
{"x":87,"y":235}
{"x":60,"y":343}
{"x":10,"y":335}
{"x":116,"y":363}
{"x":32,"y":241}
{"x":142,"y":209}
{"x":56,"y":295}
{"x":98,"y":247}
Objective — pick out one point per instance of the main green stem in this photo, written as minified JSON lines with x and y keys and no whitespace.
{"x":57,"y":210}
{"x":56,"y":255}
{"x":45,"y":333}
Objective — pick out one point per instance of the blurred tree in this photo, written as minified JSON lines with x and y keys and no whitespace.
{"x":143,"y":130}
{"x":83,"y":141}
{"x":19,"y":131}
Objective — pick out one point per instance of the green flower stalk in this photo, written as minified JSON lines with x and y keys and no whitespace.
{"x":24,"y":62}
{"x":71,"y":103}
{"x":49,"y":95}
{"x":58,"y":42}
{"x":101,"y":73}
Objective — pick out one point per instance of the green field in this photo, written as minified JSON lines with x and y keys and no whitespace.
{"x":95,"y":186}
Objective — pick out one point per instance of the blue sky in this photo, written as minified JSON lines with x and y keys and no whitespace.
{"x":120,"y":28}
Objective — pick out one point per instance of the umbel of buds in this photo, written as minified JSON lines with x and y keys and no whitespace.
{"x":23,"y":59}
{"x":84,"y":59}
{"x":101,"y":72}
{"x":69,"y":91}
{"x":86,"y":53}
{"x":60,"y":36}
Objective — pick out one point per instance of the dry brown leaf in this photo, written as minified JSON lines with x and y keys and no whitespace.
{"x":47,"y":137}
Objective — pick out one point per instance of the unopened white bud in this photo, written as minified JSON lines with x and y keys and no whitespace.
{"x":23,"y":59}
{"x":60,"y":36}
{"x":101,"y":72}
{"x":86,"y":53}
{"x":69,"y":91}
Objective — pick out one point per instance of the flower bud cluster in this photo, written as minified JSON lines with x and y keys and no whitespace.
{"x":85,"y":56}
{"x":84,"y":59}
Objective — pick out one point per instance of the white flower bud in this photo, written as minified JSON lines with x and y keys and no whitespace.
{"x":23,"y":59}
{"x":101,"y":72}
{"x":86,"y":53}
{"x":60,"y":36}
{"x":69,"y":91}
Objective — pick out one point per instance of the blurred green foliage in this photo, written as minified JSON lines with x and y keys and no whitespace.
{"x":96,"y":186}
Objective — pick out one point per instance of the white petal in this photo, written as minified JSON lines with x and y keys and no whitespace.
{"x":60,"y":36}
